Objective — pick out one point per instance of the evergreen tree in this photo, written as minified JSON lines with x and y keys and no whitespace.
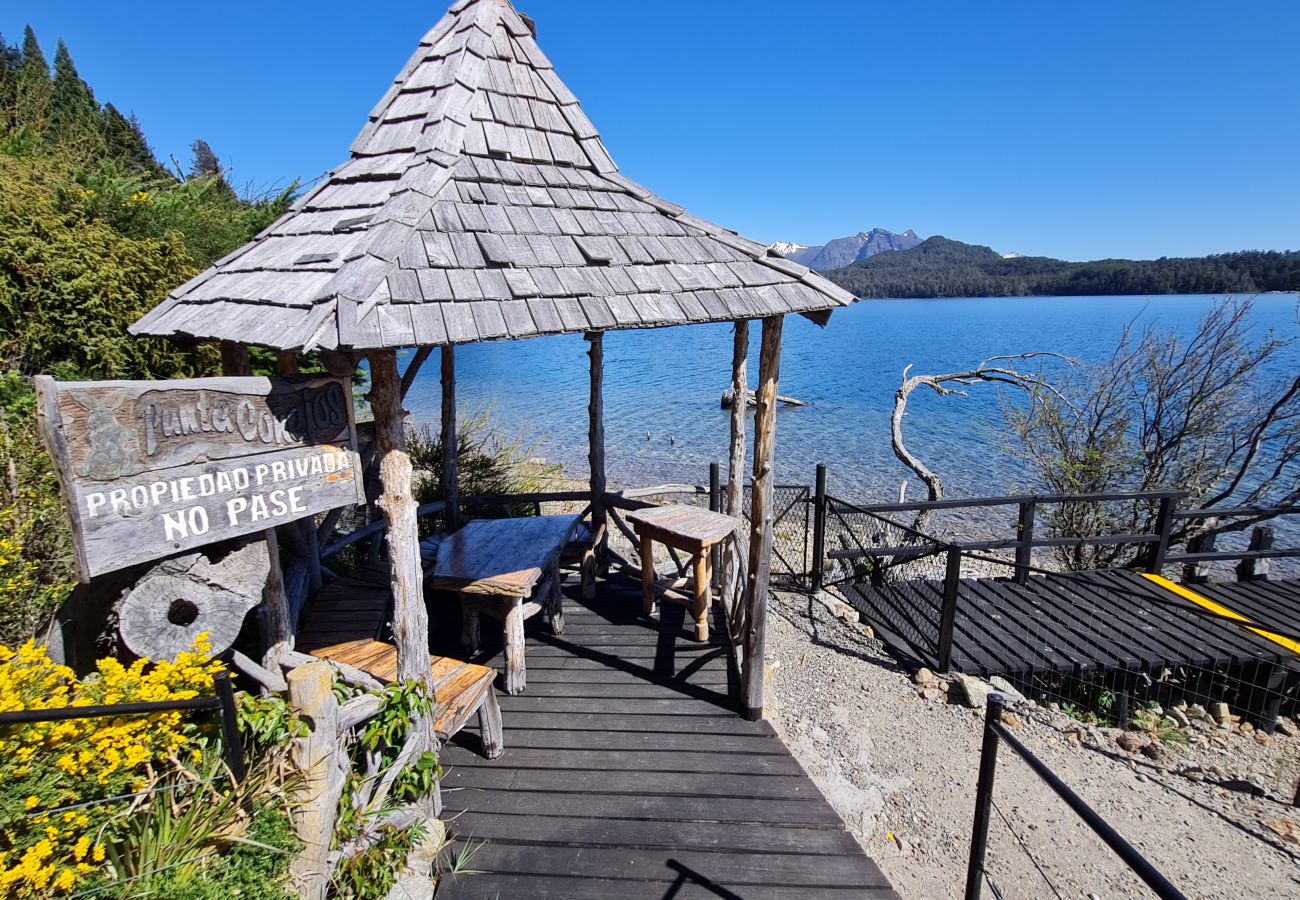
{"x":11,"y":60}
{"x":205,"y":162}
{"x":32,"y":103}
{"x":73,"y":112}
{"x":125,"y":143}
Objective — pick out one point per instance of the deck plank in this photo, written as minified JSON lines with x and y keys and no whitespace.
{"x":626,"y":772}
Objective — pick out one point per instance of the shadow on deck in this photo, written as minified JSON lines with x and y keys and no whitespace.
{"x":626,"y":774}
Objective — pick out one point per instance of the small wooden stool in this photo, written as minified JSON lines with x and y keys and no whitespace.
{"x":692,"y":530}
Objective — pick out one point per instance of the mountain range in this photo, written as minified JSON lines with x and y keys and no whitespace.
{"x":845,"y":251}
{"x":939,"y":267}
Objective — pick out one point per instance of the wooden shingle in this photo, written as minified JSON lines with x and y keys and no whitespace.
{"x":480,"y":203}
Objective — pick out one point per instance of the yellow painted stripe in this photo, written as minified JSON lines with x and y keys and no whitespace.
{"x":1220,"y":610}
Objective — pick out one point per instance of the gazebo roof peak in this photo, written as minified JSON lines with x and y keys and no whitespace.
{"x":479,"y":203}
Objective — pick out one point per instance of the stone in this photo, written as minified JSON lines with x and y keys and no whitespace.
{"x":1180,"y":718}
{"x":1219,"y":712}
{"x":1263,"y":739}
{"x":923,"y":676}
{"x":1005,"y":688}
{"x":1196,"y":711}
{"x":866,"y":687}
{"x":1130,"y":741}
{"x":1011,"y":721}
{"x":1287,"y":727}
{"x":929,"y":693}
{"x":1245,"y":728}
{"x":1154,"y":751}
{"x":975,"y":692}
{"x":1195,"y":775}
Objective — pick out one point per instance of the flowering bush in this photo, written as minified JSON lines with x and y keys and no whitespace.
{"x":52,"y":830}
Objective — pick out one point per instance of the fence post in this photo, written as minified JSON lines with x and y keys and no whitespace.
{"x":819,"y":530}
{"x":979,"y":838}
{"x":1164,"y":525}
{"x":230,"y":726}
{"x":951,"y":582}
{"x":1025,"y":549}
{"x":1256,"y":569}
{"x":1199,"y":572}
{"x":715,"y":505}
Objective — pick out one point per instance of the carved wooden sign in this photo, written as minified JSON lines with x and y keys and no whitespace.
{"x":152,"y":468}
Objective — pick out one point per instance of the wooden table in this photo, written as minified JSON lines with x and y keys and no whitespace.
{"x":509,"y":569}
{"x":689,"y":529}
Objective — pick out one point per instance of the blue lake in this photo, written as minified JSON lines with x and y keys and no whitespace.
{"x":662,"y":387}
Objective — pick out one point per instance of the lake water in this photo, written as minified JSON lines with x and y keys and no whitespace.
{"x":664,"y":422}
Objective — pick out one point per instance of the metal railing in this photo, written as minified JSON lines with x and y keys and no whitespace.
{"x":995,"y":732}
{"x":223,"y":703}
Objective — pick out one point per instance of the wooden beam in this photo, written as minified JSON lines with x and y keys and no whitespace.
{"x":596,"y":446}
{"x":410,"y":617}
{"x":760,"y":517}
{"x":322,"y":763}
{"x":450,"y":441}
{"x":413,"y":369}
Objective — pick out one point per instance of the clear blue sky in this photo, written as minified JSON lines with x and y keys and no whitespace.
{"x":1077,"y":130}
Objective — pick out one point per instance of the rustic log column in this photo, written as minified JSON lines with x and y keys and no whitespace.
{"x":596,"y":447}
{"x":322,"y":763}
{"x":277,"y":625}
{"x":410,"y":617}
{"x":736,"y":458}
{"x":301,"y":534}
{"x":450,"y":442}
{"x":234,"y":359}
{"x":760,"y":516}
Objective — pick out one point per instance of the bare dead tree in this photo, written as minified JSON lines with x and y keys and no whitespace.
{"x":991,"y":371}
{"x":1214,"y":414}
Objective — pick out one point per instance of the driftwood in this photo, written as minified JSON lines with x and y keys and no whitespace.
{"x":729,"y":398}
{"x":985,"y":372}
{"x":180,"y":598}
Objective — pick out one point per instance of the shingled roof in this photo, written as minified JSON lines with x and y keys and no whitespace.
{"x":480,"y":204}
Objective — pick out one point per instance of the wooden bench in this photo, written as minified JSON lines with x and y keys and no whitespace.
{"x":460,"y":689}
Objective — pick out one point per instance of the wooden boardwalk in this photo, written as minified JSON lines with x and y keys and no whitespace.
{"x":626,"y":773}
{"x":1081,"y":622}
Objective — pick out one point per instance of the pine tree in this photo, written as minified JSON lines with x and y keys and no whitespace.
{"x":125,"y":143}
{"x":73,"y":112}
{"x":11,"y":60}
{"x":32,"y":103}
{"x":205,"y":162}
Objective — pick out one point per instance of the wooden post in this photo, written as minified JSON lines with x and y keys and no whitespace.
{"x":948,"y":615}
{"x":736,"y":465}
{"x":234,"y":359}
{"x":1256,"y":568}
{"x":596,"y":447}
{"x":320,"y":759}
{"x":303,"y":532}
{"x":1025,"y":547}
{"x":819,"y":529}
{"x":276,"y":620}
{"x":760,"y":516}
{"x":410,"y":617}
{"x":450,"y":442}
{"x":1199,"y":572}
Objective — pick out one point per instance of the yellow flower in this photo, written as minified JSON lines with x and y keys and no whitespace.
{"x":32,"y":802}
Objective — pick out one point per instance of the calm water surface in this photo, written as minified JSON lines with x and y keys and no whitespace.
{"x":662,"y":387}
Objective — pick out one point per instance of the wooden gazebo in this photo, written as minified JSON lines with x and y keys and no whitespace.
{"x":480,"y":204}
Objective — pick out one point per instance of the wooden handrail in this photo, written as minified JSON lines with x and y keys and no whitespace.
{"x":1236,"y":512}
{"x":376,"y":527}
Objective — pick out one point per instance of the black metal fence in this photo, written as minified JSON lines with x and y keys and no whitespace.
{"x":223,"y":703}
{"x":995,"y":733}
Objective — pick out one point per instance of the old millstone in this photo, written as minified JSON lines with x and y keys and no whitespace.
{"x":1004,"y":688}
{"x":180,"y":598}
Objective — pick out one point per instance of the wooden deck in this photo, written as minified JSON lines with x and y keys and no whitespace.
{"x":1080,"y":622}
{"x":626,"y":773}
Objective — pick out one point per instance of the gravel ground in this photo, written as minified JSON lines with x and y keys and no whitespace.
{"x":1210,"y":814}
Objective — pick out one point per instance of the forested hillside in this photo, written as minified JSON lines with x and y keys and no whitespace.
{"x":94,"y":231}
{"x":940,"y":267}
